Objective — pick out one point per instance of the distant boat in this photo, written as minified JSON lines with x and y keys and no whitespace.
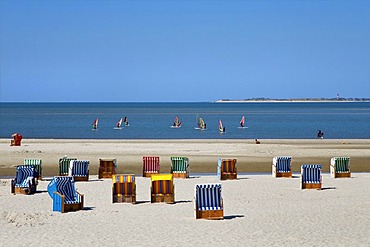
{"x":201,"y":125}
{"x":242,"y":121}
{"x":118,"y":124}
{"x":221,"y":128}
{"x":126,"y":121}
{"x":95,"y":124}
{"x":176,"y":123}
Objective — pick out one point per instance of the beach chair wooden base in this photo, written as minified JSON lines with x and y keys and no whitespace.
{"x":148,"y":174}
{"x":70,"y":207}
{"x":228,"y":176}
{"x":124,"y":199}
{"x":106,"y":175}
{"x":311,"y":186}
{"x":210,"y":214}
{"x":342,"y":175}
{"x":163,"y":198}
{"x":181,"y":175}
{"x":80,"y":179}
{"x":283,"y":175}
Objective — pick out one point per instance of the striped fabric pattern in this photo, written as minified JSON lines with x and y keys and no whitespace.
{"x":65,"y":186}
{"x":208,"y":196}
{"x":162,"y":187}
{"x":125,"y":189}
{"x":34,"y":162}
{"x":179,"y":164}
{"x":123,"y":178}
{"x":150,"y":164}
{"x":64,"y":165}
{"x":79,"y":168}
{"x":341,"y":164}
{"x":24,"y":173}
{"x":282,"y":163}
{"x":311,"y":174}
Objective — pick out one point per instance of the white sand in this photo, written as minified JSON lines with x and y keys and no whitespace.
{"x":259,"y":211}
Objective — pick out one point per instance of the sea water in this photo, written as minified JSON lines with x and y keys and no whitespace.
{"x":338,"y":120}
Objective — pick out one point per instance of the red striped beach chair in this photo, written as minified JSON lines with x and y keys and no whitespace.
{"x":162,"y":188}
{"x":281,"y":167}
{"x":208,"y":202}
{"x":340,"y":167}
{"x":180,"y":167}
{"x":123,"y":188}
{"x":311,"y":177}
{"x":79,"y":170}
{"x":107,"y":168}
{"x":150,"y":165}
{"x":226,"y":169}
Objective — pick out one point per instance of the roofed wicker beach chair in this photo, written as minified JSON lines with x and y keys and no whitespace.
{"x":64,"y":165}
{"x":340,"y":167}
{"x":37,"y":164}
{"x":150,"y":165}
{"x":208,"y":202}
{"x":123,"y":188}
{"x":107,"y":168}
{"x":281,"y":167}
{"x":311,"y":176}
{"x":162,"y":188}
{"x":65,"y":197}
{"x":79,"y":170}
{"x":25,"y":181}
{"x":226,"y":169}
{"x":180,"y":167}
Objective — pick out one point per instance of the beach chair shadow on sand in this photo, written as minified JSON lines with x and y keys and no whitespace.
{"x":123,"y":188}
{"x":107,"y":168}
{"x":281,"y":167}
{"x":340,"y":167}
{"x":226,"y":169}
{"x":65,"y":197}
{"x":208,"y":202}
{"x":162,"y":188}
{"x":180,"y":167}
{"x":311,"y":176}
{"x":25,"y":181}
{"x":150,"y":165}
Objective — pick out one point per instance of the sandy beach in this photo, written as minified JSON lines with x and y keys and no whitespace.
{"x":259,"y":210}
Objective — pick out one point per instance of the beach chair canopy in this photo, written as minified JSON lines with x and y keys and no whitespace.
{"x":208,"y":197}
{"x":123,"y":178}
{"x":79,"y":168}
{"x":162,"y":184}
{"x":36,"y":163}
{"x":227,"y":165}
{"x":24,"y":174}
{"x":179,"y":164}
{"x":341,"y":164}
{"x":64,"y":164}
{"x":311,"y":173}
{"x":282,"y":163}
{"x":65,"y":186}
{"x":151,"y":164}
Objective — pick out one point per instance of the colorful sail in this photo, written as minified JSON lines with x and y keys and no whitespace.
{"x":95,"y":123}
{"x":176,"y":123}
{"x":221,"y":128}
{"x":119,"y":123}
{"x":242,"y":122}
{"x":202,"y":124}
{"x":125,"y":121}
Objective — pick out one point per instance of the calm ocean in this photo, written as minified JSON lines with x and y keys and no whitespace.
{"x":153,"y":120}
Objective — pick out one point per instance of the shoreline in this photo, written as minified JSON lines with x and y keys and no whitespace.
{"x":202,"y":153}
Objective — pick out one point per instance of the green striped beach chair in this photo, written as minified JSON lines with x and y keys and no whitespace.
{"x":37,"y":164}
{"x":340,"y":167}
{"x":64,"y":165}
{"x":180,"y":167}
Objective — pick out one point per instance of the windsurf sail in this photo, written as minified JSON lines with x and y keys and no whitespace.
{"x":242,"y":122}
{"x":125,"y":121}
{"x":202,"y":124}
{"x":176,"y":122}
{"x":221,"y":128}
{"x":95,"y":124}
{"x":119,"y":123}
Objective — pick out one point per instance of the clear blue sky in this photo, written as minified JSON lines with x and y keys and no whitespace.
{"x":180,"y":51}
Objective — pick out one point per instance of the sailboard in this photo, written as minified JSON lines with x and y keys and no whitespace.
{"x":95,"y":124}
{"x":221,"y":128}
{"x":176,"y":123}
{"x":118,"y":124}
{"x":241,"y":123}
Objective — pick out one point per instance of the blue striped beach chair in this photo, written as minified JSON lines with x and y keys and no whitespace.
{"x":37,"y":164}
{"x":123,"y":188}
{"x":180,"y":167}
{"x":79,"y":170}
{"x":281,"y":167}
{"x":340,"y":167}
{"x":107,"y":168}
{"x":208,"y":202}
{"x":25,"y":181}
{"x":64,"y":165}
{"x":65,"y":197}
{"x":311,"y":176}
{"x":226,"y":169}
